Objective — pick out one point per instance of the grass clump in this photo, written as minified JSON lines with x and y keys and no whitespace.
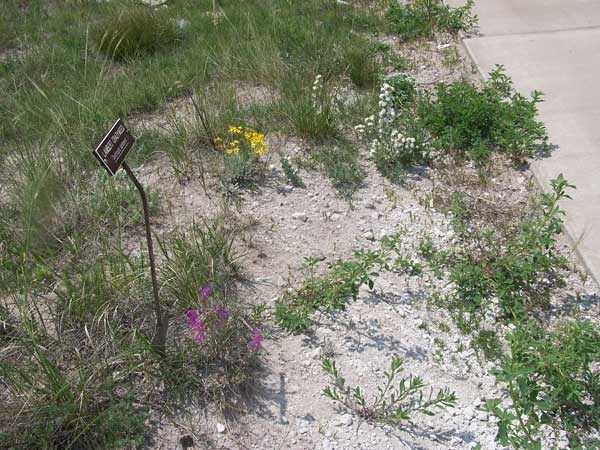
{"x":473,"y":123}
{"x":134,"y":32}
{"x":421,"y":19}
{"x":550,"y":381}
{"x":340,"y":162}
{"x":397,"y":401}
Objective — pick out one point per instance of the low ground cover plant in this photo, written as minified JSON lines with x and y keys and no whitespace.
{"x":551,"y":381}
{"x":329,"y":292}
{"x":397,"y":400}
{"x":242,"y":148}
{"x":417,"y":19}
{"x":457,"y":119}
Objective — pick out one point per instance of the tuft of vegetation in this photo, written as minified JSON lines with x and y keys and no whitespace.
{"x":397,"y":400}
{"x":550,"y":381}
{"x":341,"y":164}
{"x":421,"y":19}
{"x":474,"y":123}
{"x":327,"y":293}
{"x":291,"y":173}
{"x":135,"y":32}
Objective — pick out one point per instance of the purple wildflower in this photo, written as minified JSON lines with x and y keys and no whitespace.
{"x":255,"y":341}
{"x":192,"y":317}
{"x":222,"y":315}
{"x":205,"y":292}
{"x":199,"y":329}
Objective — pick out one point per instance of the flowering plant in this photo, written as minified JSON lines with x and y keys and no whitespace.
{"x":241,"y":139}
{"x":242,"y":147}
{"x":393,"y":141}
{"x":216,"y":326}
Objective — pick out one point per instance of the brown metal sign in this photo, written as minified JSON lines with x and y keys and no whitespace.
{"x":114,"y":147}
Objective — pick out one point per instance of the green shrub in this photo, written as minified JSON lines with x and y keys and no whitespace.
{"x":422,"y":18}
{"x":550,"y":381}
{"x":134,"y":32}
{"x":473,"y":123}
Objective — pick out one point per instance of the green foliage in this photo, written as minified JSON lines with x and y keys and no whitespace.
{"x":342,"y":167}
{"x":508,"y":267}
{"x":473,"y":123}
{"x":291,"y":173}
{"x":396,"y":401}
{"x":488,"y":343}
{"x":54,"y":409}
{"x":360,"y":57}
{"x":134,"y":32}
{"x":91,"y":289}
{"x":329,"y":292}
{"x":550,"y":381}
{"x":203,"y":256}
{"x":418,"y":19}
{"x":310,"y":109}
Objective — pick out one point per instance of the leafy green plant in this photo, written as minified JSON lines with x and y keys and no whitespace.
{"x":135,"y":32}
{"x":509,"y":267}
{"x":473,"y":123}
{"x":422,"y":18}
{"x":291,"y":173}
{"x":550,"y":380}
{"x":329,"y":292}
{"x":396,"y":401}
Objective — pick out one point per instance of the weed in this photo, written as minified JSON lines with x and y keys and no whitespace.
{"x":473,"y":123}
{"x":394,"y":403}
{"x":310,"y":111}
{"x":360,"y":58}
{"x":54,"y":410}
{"x":242,"y":148}
{"x":550,"y":381}
{"x":509,"y":268}
{"x":395,"y":140}
{"x":422,"y":18}
{"x":291,"y":173}
{"x":342,"y":167}
{"x":329,"y":292}
{"x":134,"y":32}
{"x":488,"y":343}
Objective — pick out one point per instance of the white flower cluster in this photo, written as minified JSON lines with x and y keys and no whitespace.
{"x":317,"y":88}
{"x":384,"y":139}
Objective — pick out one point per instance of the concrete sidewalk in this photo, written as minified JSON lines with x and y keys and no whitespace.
{"x":554,"y":46}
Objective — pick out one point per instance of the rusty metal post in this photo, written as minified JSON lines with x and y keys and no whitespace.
{"x":162,"y":320}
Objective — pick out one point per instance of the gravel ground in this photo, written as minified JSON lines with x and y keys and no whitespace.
{"x":289,"y":224}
